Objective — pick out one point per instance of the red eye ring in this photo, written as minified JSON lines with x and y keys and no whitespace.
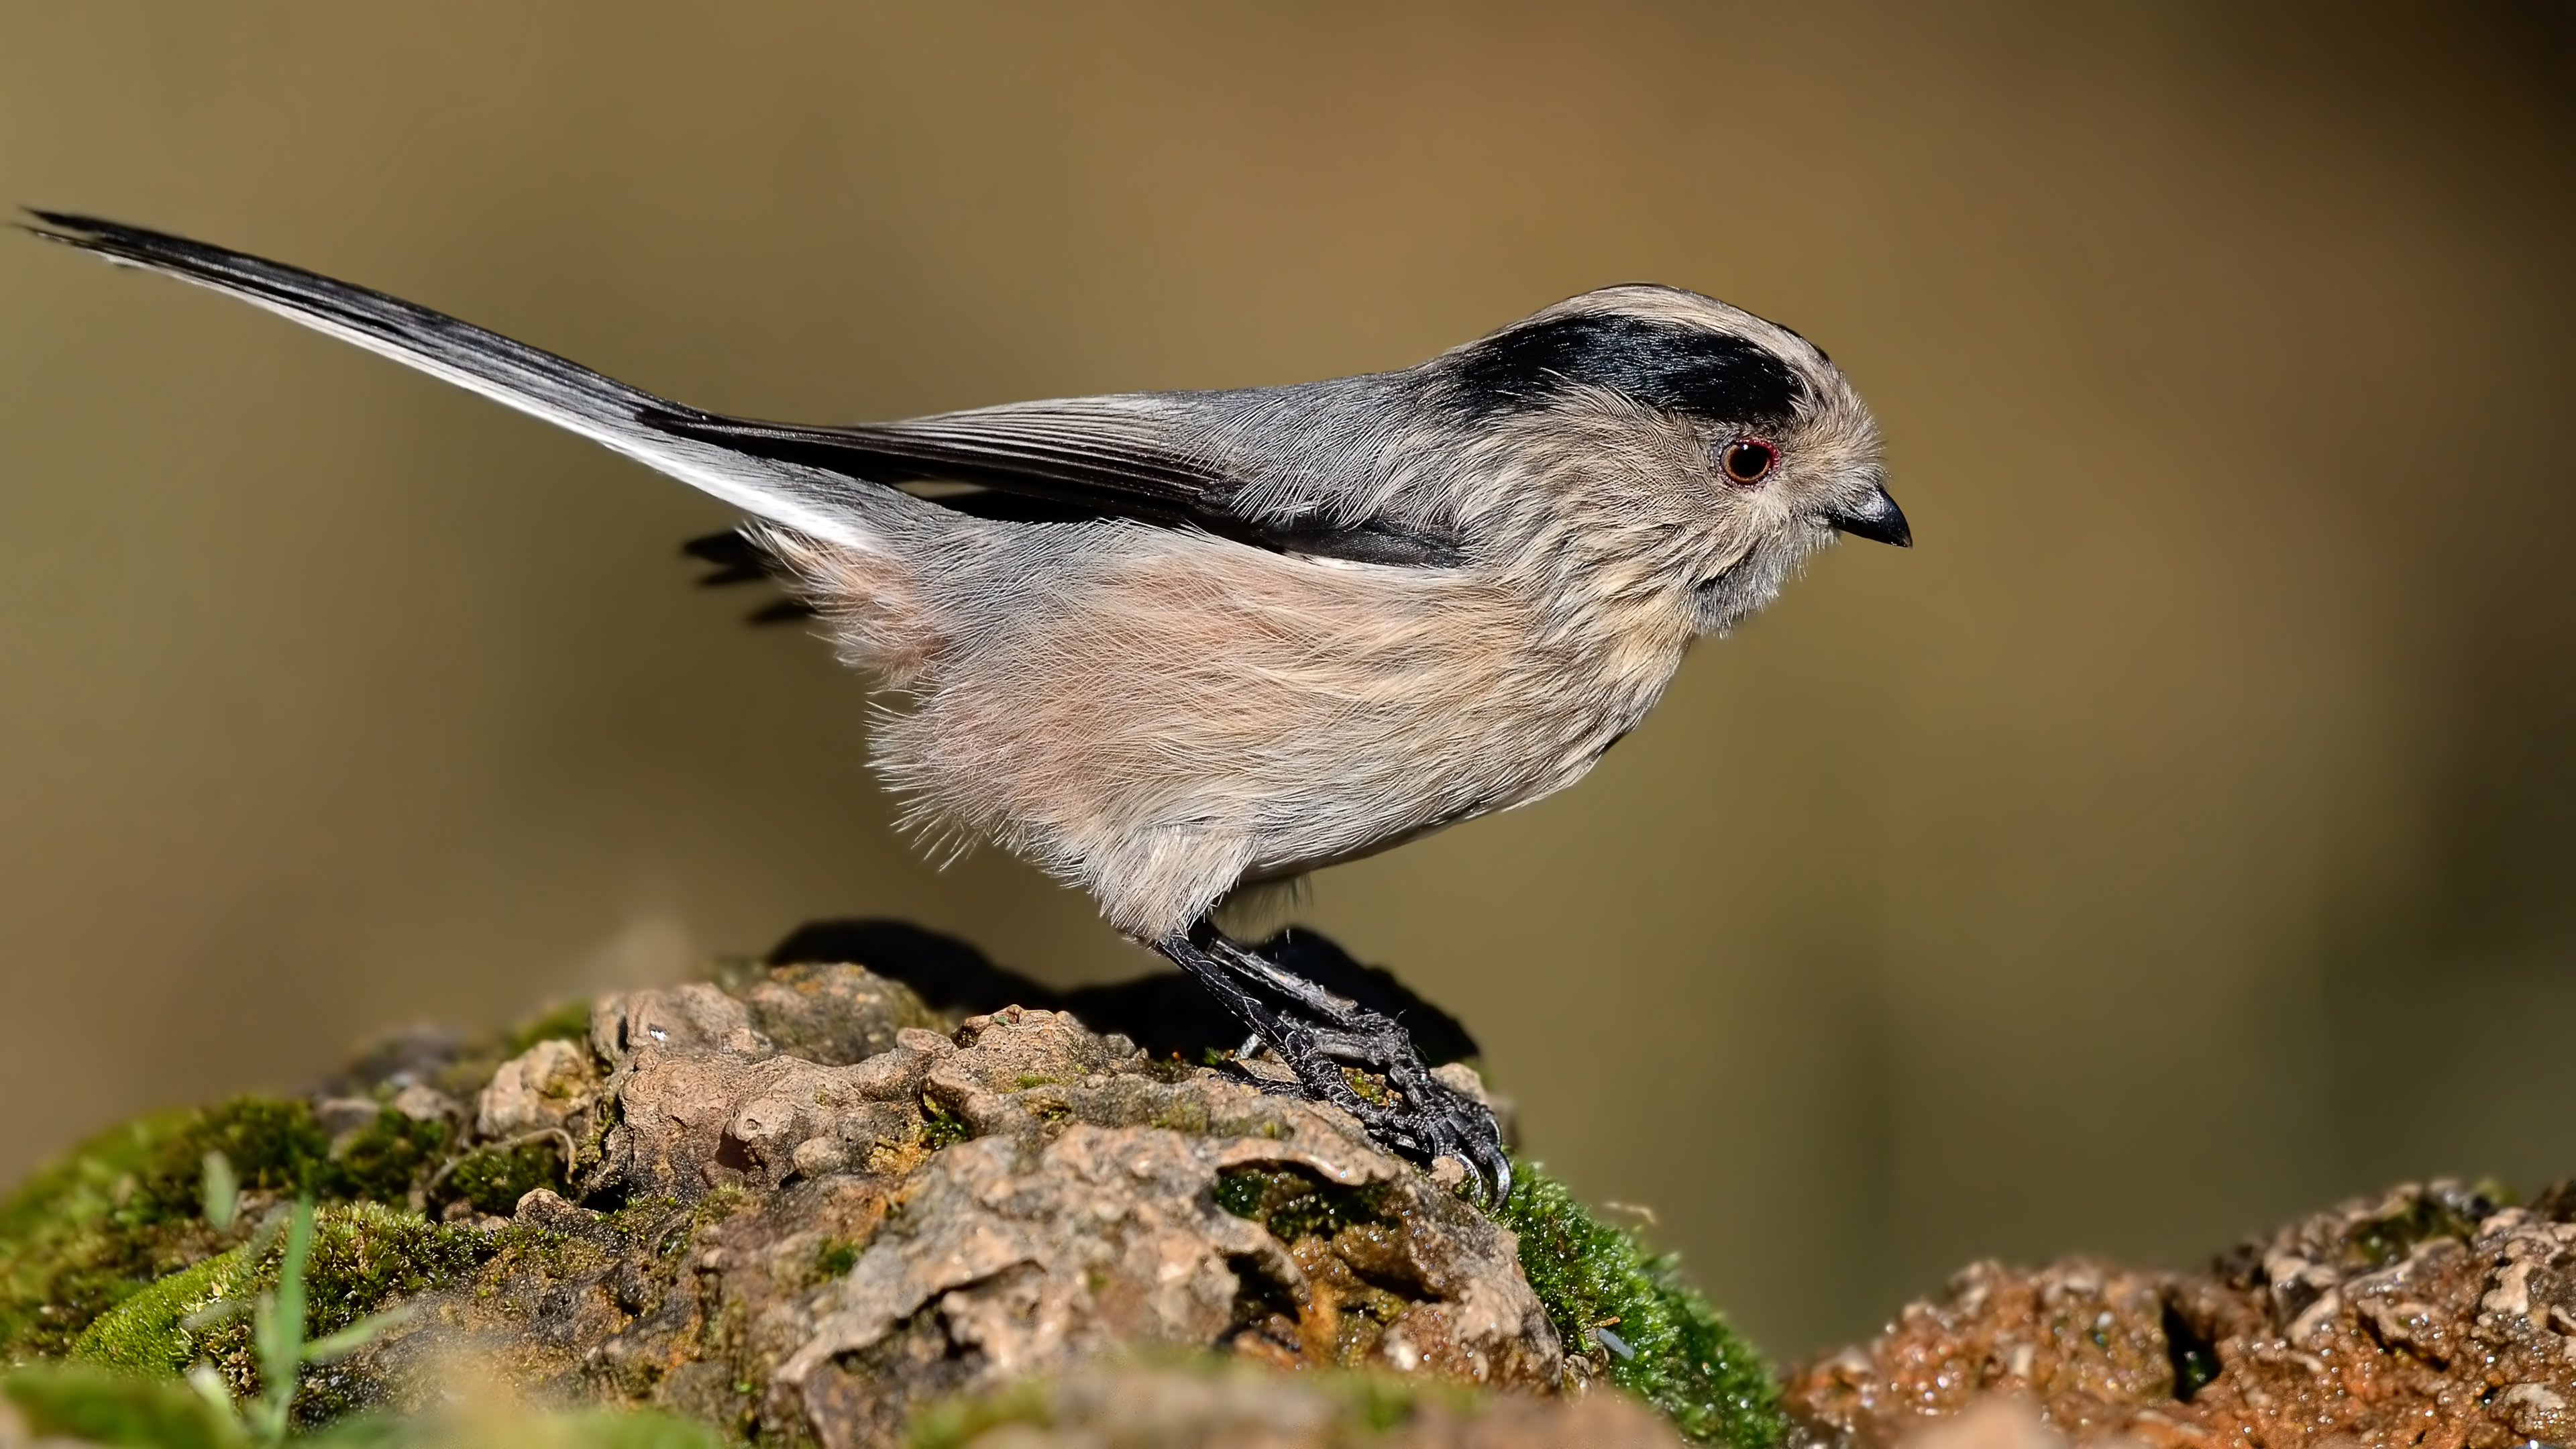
{"x":1747,"y":461}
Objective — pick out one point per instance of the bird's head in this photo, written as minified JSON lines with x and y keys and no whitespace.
{"x":1731,"y":442}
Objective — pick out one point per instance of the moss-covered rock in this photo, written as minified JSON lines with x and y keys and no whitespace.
{"x":365,"y":1257}
{"x":1646,"y":1330}
{"x":493,"y":1179}
{"x":387,"y":1158}
{"x":122,"y":1211}
{"x":765,"y":1204}
{"x":148,"y":1333}
{"x":1623,"y":1311}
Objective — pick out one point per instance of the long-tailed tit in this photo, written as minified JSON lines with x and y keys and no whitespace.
{"x":1173,"y":646}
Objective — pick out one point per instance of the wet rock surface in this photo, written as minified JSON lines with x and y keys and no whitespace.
{"x":2431,"y":1316}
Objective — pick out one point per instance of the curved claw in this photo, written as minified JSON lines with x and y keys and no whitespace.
{"x":1438,"y":1121}
{"x":1481,"y":1153}
{"x":1497,"y":1175}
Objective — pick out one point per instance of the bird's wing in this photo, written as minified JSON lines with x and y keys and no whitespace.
{"x":1088,"y":451}
{"x":813,"y":501}
{"x":1141,"y":455}
{"x":1124,"y":456}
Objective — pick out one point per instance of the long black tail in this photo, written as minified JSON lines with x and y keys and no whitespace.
{"x":827,"y":505}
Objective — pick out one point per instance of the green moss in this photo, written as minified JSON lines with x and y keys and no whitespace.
{"x":938,"y":1128}
{"x":1294,"y":1204}
{"x":59,"y":1263}
{"x":385,"y":1159}
{"x":122,"y":1210}
{"x":145,"y":1334}
{"x":836,"y":1258}
{"x":641,"y":1215}
{"x":1369,"y":1087}
{"x":365,"y":1256}
{"x":274,"y":1145}
{"x":1683,"y":1358}
{"x":493,"y":1179}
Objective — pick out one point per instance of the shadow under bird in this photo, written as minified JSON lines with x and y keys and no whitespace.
{"x":1177,"y":646}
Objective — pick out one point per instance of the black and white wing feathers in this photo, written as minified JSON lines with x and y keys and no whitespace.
{"x":1143,"y":456}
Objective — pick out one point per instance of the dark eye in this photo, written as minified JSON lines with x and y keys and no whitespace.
{"x":1748,"y":461}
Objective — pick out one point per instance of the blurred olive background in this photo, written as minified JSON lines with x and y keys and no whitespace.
{"x":2179,"y":837}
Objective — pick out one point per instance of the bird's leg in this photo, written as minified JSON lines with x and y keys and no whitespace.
{"x":1318,"y":1035}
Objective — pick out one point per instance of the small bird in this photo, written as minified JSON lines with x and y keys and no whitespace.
{"x":1178,"y":647}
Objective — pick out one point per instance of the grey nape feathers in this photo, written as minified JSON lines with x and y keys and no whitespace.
{"x":1172,"y":645}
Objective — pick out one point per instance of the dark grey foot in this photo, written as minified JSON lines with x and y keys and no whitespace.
{"x":1356,"y":1059}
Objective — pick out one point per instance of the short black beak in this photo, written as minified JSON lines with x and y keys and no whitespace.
{"x":1876,"y":518}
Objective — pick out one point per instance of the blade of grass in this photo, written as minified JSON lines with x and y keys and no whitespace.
{"x":279,"y":1328}
{"x":221,"y":1189}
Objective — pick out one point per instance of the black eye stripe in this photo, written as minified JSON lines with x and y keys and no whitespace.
{"x":1665,"y":365}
